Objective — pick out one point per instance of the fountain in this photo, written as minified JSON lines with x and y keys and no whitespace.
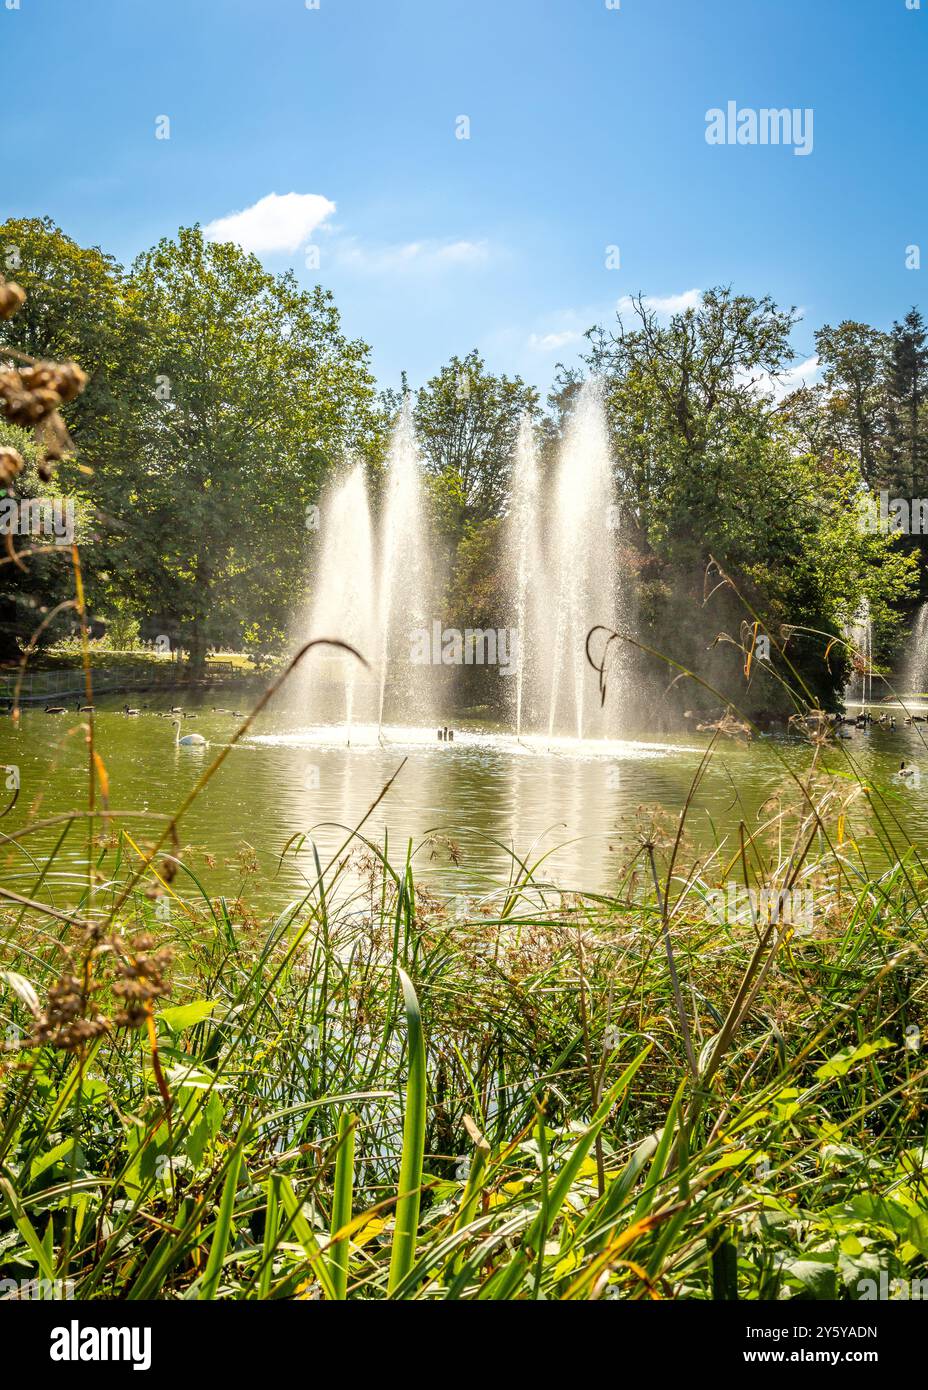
{"x":405,"y":579}
{"x":372,"y":587}
{"x":861,"y":636}
{"x":914,"y":674}
{"x":523,"y":543}
{"x":574,"y":582}
{"x":341,"y":603}
{"x":375,"y":588}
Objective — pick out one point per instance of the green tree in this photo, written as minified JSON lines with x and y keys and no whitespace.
{"x":33,"y":584}
{"x":713,"y":467}
{"x":467,"y":421}
{"x":684,"y":405}
{"x":854,"y":359}
{"x":908,"y":377}
{"x":254,"y":393}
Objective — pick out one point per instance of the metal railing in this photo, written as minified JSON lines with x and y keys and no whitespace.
{"x":56,"y":685}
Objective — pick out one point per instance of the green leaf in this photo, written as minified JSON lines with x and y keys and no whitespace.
{"x":410,"y":1181}
{"x":841,"y":1063}
{"x":188,"y":1015}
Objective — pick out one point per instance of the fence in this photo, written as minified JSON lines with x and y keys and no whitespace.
{"x":59,"y":685}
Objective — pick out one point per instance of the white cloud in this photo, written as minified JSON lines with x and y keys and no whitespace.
{"x":568,"y":327}
{"x":775,"y":388}
{"x":278,"y":222}
{"x":427,"y":255}
{"x":553,"y":342}
{"x":664,"y":306}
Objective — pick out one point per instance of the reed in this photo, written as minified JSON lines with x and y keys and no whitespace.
{"x":367,"y":1098}
{"x":555,"y":1095}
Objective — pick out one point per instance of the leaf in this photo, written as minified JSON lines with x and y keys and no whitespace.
{"x":410,"y":1180}
{"x":217,"y":1250}
{"x":23,"y":990}
{"x":188,"y":1015}
{"x":841,"y":1063}
{"x":734,"y":1159}
{"x":341,"y":1203}
{"x":819,"y":1279}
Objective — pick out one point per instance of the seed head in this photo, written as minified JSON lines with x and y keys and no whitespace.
{"x":141,"y":980}
{"x":11,"y":463}
{"x":12,"y":297}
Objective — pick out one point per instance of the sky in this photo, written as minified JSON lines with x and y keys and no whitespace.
{"x":490,"y":174}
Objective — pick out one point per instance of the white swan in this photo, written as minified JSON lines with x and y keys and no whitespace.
{"x":188,"y":740}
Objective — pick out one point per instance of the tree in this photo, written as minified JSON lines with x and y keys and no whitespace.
{"x":712,"y":467}
{"x":467,"y":421}
{"x":32,"y":585}
{"x":683,"y":399}
{"x":219,"y":397}
{"x":908,"y":369}
{"x":254,"y":393}
{"x":854,"y":361}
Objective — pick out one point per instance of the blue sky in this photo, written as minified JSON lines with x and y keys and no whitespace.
{"x":587,"y":130}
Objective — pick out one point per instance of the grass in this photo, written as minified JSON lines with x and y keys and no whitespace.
{"x":565,"y":1096}
{"x":556,"y":1095}
{"x":68,"y":655}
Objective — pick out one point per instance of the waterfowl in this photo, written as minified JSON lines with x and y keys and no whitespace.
{"x":55,"y":709}
{"x":130,"y":713}
{"x":188,"y":740}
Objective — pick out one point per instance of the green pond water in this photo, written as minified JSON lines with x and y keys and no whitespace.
{"x":486,"y":793}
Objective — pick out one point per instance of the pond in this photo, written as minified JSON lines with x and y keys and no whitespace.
{"x":466,"y":806}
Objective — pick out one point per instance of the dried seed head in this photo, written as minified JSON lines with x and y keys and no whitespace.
{"x":51,"y":434}
{"x":64,"y":377}
{"x":12,"y":297}
{"x":141,"y":981}
{"x":29,"y":395}
{"x":22,"y":407}
{"x":66,"y":1021}
{"x":11,"y":463}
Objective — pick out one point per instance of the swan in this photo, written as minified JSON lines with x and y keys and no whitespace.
{"x":188,"y":740}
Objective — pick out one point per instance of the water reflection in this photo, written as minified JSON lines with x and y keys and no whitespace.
{"x":488,"y":794}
